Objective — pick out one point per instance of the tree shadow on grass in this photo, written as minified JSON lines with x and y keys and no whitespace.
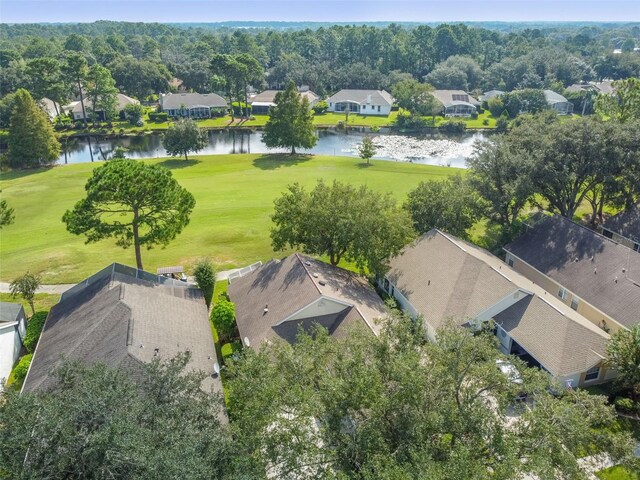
{"x":364,"y":165}
{"x":273,"y":161}
{"x":24,"y":172}
{"x":175,"y":163}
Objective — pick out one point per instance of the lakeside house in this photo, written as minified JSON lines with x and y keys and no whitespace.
{"x":486,"y":96}
{"x":193,"y":105}
{"x":624,"y":227}
{"x":124,"y":317}
{"x":282,"y":296}
{"x":76,"y":107}
{"x":560,"y":104}
{"x":605,"y":87}
{"x":456,"y":103}
{"x":580,"y":268}
{"x":364,"y":102}
{"x":51,"y":108}
{"x":444,"y":279}
{"x":263,"y":101}
{"x":13,"y":328}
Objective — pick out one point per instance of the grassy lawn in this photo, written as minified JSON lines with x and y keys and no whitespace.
{"x":230,"y":223}
{"x":618,"y":473}
{"x":42,"y":301}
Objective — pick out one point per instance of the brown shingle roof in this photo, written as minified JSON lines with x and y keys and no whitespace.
{"x":597,"y":269}
{"x":285,"y":287}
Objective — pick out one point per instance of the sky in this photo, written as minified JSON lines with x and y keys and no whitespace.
{"x":168,"y":11}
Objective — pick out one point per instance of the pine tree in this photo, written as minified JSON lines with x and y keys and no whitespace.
{"x":31,"y":140}
{"x":290,"y":122}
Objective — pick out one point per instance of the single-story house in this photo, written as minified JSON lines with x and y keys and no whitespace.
{"x":51,"y":108}
{"x":263,"y":101}
{"x":486,"y":96}
{"x":444,"y":279}
{"x":13,"y":327}
{"x":592,"y":274}
{"x":605,"y":86}
{"x":624,"y":227}
{"x":560,"y":104}
{"x":281,"y":296}
{"x":192,"y":105}
{"x":364,"y":102}
{"x":124,"y":317}
{"x":123,"y":101}
{"x":456,"y":103}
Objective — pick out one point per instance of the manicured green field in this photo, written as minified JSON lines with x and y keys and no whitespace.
{"x":230,"y":223}
{"x":617,"y":473}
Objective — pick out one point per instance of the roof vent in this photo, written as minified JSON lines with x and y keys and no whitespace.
{"x":616,"y":280}
{"x":156,"y":351}
{"x":624,"y":269}
{"x":322,"y":282}
{"x":315,"y":275}
{"x":307,"y":263}
{"x":428,"y":282}
{"x":266,"y":309}
{"x":593,"y":257}
{"x":595,"y":270}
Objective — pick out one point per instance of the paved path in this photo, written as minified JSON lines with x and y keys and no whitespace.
{"x":60,"y":288}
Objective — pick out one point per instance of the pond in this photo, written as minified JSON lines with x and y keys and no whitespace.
{"x":433,"y":149}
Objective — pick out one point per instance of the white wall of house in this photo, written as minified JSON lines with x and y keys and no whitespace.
{"x":10,"y":345}
{"x":319,"y":307}
{"x":363,"y":109}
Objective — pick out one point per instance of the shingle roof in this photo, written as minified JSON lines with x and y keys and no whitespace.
{"x":448,"y":97}
{"x":368,"y":97}
{"x":626,"y":223}
{"x":123,"y":101}
{"x":446,"y":278}
{"x":597,"y":269}
{"x":9,"y":312}
{"x":287,"y":286}
{"x":553,"y":97}
{"x":491,"y":94}
{"x":269,"y":97}
{"x":173,"y":101}
{"x":120,"y":320}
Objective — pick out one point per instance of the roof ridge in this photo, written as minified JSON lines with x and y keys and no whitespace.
{"x":308,"y":273}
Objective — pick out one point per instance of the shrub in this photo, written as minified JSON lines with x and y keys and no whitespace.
{"x":503,"y":122}
{"x":162,"y":117}
{"x":625,"y":404}
{"x":205,"y":275}
{"x":21,"y":369}
{"x":495,"y":106}
{"x":230,"y":349}
{"x":453,"y":126}
{"x":34,"y":328}
{"x":223,"y":317}
{"x":474,"y":115}
{"x":485,"y":121}
{"x":409,"y":121}
{"x":153,"y":116}
{"x":321,"y":107}
{"x":134,"y":113}
{"x":62,"y":122}
{"x":239,"y":108}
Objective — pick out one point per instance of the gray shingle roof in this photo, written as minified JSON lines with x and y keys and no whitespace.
{"x":626,"y":223}
{"x":289,"y":285}
{"x":448,"y":97}
{"x":446,"y":278}
{"x":123,"y":101}
{"x":367,"y":97}
{"x":553,"y":97}
{"x":491,"y":94}
{"x":173,"y":101}
{"x":269,"y":97}
{"x":9,"y":312}
{"x":121,"y":320}
{"x":597,"y":269}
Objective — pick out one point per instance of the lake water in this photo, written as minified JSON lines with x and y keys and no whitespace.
{"x":428,"y":149}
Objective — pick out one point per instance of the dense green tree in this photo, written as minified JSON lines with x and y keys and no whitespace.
{"x":223,"y":316}
{"x":526,"y":100}
{"x":46,"y":80}
{"x":416,"y":97}
{"x":227,"y":70}
{"x":205,"y":276}
{"x":31,"y":141}
{"x":250,"y":73}
{"x":76,"y":69}
{"x":624,"y":104}
{"x":97,"y":423}
{"x":290,"y":123}
{"x":102,"y":91}
{"x":134,"y":113}
{"x":6,"y":108}
{"x":396,"y":407}
{"x":77,"y":43}
{"x":623,"y":351}
{"x":366,"y":149}
{"x":26,"y":286}
{"x":140,"y":78}
{"x":134,"y":202}
{"x":7,"y":215}
{"x":342,"y":222}
{"x":184,"y":136}
{"x":450,"y":205}
{"x":457,"y":72}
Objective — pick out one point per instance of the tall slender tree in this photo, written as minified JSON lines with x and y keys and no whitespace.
{"x":101,"y":89}
{"x":76,"y":69}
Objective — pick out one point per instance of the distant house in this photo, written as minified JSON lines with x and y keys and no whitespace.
{"x":364,"y":102}
{"x":76,"y":109}
{"x":560,"y":104}
{"x":592,"y":274}
{"x":51,"y":108}
{"x":193,"y":105}
{"x":263,"y":101}
{"x":124,"y":317}
{"x":606,"y":87}
{"x":280,"y":297}
{"x":486,"y":96}
{"x":444,"y":279}
{"x":13,"y":327}
{"x":456,"y":103}
{"x":624,"y":227}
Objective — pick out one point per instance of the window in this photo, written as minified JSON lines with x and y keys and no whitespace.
{"x":607,"y":233}
{"x":562,"y":293}
{"x":592,"y":374}
{"x":510,"y":261}
{"x":386,"y":284}
{"x":575,"y":301}
{"x":378,"y":107}
{"x":636,"y":247}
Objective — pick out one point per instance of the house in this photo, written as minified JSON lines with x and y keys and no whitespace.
{"x":560,"y":104}
{"x":76,"y":109}
{"x":364,"y":102}
{"x":456,"y":103}
{"x":124,"y":317}
{"x":263,"y":101}
{"x":444,"y":279}
{"x":51,"y":108}
{"x":624,"y":227}
{"x":13,"y":327}
{"x":276,"y":299}
{"x":590,"y":273}
{"x":605,"y":87}
{"x":193,"y":105}
{"x":486,"y":96}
